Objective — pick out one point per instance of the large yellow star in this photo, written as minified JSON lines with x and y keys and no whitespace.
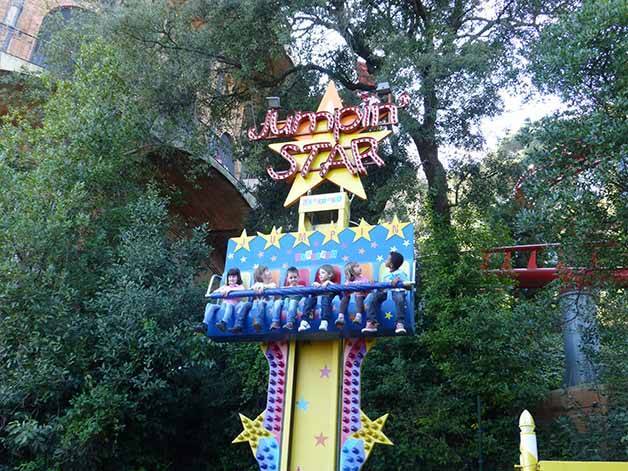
{"x":371,"y":432}
{"x":362,"y":231}
{"x":395,"y":227}
{"x":273,"y":238}
{"x":242,"y":242}
{"x":253,"y":431}
{"x":340,"y":176}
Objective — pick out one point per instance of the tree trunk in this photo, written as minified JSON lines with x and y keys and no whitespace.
{"x":426,"y":143}
{"x":436,"y":177}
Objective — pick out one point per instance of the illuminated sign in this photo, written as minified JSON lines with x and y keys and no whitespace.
{"x":334,"y":143}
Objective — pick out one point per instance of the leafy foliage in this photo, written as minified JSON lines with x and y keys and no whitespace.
{"x":98,"y":365}
{"x":581,"y":154}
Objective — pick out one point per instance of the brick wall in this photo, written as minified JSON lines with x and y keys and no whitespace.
{"x":28,"y":24}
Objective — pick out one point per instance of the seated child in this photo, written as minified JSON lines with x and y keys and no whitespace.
{"x":326,"y":277}
{"x":234,"y":283}
{"x":376,"y":298}
{"x":263,"y":279}
{"x":292,"y":279}
{"x":353,"y":275}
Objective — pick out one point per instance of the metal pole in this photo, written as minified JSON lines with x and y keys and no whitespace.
{"x":480,"y":459}
{"x":580,"y":337}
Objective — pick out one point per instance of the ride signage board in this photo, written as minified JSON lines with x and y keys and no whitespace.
{"x":334,"y":143}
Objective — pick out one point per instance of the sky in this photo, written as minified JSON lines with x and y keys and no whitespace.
{"x":516,"y":112}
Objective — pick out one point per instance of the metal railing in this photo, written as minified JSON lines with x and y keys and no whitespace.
{"x":306,"y":290}
{"x":522,"y":263}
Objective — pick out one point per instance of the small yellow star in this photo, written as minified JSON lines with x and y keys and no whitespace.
{"x":395,"y":227}
{"x":331,"y":233}
{"x":371,"y":432}
{"x":362,"y":231}
{"x":301,"y":238}
{"x":253,"y":431}
{"x":273,"y":238}
{"x":242,"y":242}
{"x":388,"y":315}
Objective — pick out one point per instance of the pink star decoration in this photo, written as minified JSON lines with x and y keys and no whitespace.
{"x":320,"y":439}
{"x":325,"y":372}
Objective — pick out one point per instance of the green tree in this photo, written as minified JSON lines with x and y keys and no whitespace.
{"x":576,"y":194}
{"x":453,"y":58}
{"x":581,"y":153}
{"x":98,"y":367}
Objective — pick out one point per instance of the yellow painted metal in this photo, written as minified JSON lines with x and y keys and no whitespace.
{"x":371,"y":432}
{"x":309,"y":205}
{"x":273,"y":239}
{"x":252,"y":431}
{"x":340,"y":176}
{"x":243,"y":241}
{"x":582,"y":466}
{"x":529,"y":458}
{"x":289,"y":401}
{"x":314,"y":431}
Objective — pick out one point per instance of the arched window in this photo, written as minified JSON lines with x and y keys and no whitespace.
{"x":224,"y":152}
{"x":52,"y":24}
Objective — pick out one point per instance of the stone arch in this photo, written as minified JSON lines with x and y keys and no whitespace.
{"x":62,"y":12}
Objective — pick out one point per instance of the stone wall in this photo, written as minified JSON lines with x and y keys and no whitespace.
{"x":24,"y":29}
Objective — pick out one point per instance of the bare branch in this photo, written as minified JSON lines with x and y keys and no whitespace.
{"x":343,"y":79}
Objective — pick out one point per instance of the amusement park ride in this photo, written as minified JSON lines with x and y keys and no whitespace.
{"x":317,"y":299}
{"x":313,"y":420}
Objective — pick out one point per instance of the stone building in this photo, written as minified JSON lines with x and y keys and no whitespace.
{"x":220,"y":199}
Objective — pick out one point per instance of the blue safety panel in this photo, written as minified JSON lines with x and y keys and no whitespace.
{"x":370,"y":254}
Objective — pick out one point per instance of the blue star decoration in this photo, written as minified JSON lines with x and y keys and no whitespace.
{"x":303,"y":404}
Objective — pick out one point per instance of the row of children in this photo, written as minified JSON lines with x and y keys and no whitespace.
{"x":263,"y":280}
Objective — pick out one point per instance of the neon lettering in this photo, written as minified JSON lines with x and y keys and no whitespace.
{"x":287,"y":152}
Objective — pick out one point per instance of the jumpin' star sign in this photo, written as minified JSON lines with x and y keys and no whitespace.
{"x":336,"y":154}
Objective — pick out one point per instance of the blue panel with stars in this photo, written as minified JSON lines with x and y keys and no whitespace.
{"x":369,"y":247}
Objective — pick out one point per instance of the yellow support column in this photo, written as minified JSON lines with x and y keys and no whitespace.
{"x":314,"y":429}
{"x":287,"y":419}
